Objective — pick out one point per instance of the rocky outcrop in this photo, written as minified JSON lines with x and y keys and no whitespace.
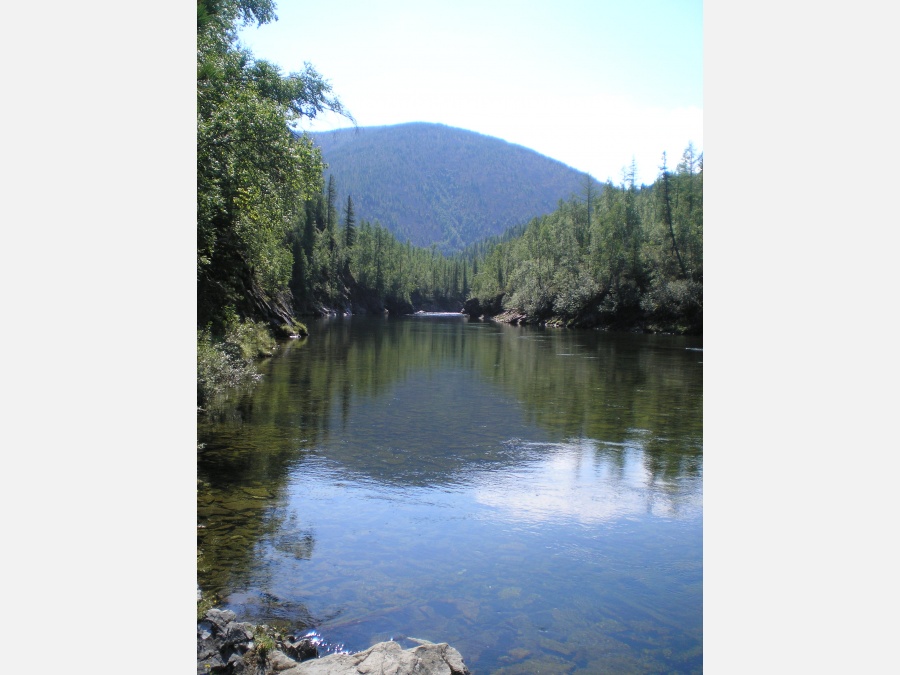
{"x":484,"y":308}
{"x":231,"y":647}
{"x":228,"y":647}
{"x":388,"y":658}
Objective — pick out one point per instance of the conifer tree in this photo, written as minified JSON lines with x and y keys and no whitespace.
{"x":349,"y":225}
{"x":666,"y":184}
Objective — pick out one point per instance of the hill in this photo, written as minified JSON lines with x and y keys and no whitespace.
{"x":434,"y":184}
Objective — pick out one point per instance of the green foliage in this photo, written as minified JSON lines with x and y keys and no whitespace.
{"x":265,"y":642}
{"x":679,"y":302}
{"x":623,"y":256}
{"x":205,"y":603}
{"x":250,"y":340}
{"x":365,"y":265}
{"x":252,"y":172}
{"x":219,"y":370}
{"x":229,"y":362}
{"x":349,"y":224}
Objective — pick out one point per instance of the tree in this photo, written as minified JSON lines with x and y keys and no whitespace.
{"x":590,"y":194}
{"x":665,"y":180}
{"x":331,"y":203}
{"x":349,"y":224}
{"x":253,"y":172}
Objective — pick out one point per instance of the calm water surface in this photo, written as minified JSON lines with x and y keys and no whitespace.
{"x":531,"y":496}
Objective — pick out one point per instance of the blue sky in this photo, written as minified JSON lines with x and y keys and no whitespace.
{"x":591,"y":83}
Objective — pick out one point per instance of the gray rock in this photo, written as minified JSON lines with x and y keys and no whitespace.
{"x":219,"y":619}
{"x":237,"y":634}
{"x":301,"y":649}
{"x":210,"y":663}
{"x":206,"y":647}
{"x":279,"y":662}
{"x":387,"y":658}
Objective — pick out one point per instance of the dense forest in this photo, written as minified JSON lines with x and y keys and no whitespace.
{"x":275,"y":241}
{"x":628,"y":258}
{"x":624,"y":256}
{"x":435,"y":184}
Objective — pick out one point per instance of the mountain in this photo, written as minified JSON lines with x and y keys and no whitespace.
{"x":435,"y":184}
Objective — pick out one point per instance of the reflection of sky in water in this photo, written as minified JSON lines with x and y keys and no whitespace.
{"x":578,"y":481}
{"x":567,"y":552}
{"x":536,"y":512}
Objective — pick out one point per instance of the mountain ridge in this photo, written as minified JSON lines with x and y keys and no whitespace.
{"x":436,"y":184}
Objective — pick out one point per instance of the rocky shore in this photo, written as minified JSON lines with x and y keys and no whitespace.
{"x":690,"y":322}
{"x":228,"y":647}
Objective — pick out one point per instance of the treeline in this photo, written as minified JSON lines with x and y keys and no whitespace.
{"x":621,"y":256}
{"x":344,"y":266}
{"x":630,"y":257}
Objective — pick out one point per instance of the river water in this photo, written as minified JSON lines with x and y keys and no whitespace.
{"x":532,"y":496}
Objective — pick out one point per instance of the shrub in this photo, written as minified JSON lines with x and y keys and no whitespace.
{"x":265,"y":643}
{"x":675,"y":299}
{"x":229,"y":362}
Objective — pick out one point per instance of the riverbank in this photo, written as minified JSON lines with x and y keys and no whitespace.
{"x":229,"y":647}
{"x":686,"y":320}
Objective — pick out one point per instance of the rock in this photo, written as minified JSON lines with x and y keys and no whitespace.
{"x":212,"y":663}
{"x":226,"y":646}
{"x":220,"y":618}
{"x":237,"y":635}
{"x":388,"y":658}
{"x":279,"y":662}
{"x":301,"y":649}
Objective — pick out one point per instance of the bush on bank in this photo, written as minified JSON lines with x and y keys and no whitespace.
{"x":229,"y":361}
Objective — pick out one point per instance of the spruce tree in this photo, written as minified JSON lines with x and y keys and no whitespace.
{"x":349,"y":225}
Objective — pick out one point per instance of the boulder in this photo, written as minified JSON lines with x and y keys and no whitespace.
{"x":219,"y":618}
{"x":388,"y":658}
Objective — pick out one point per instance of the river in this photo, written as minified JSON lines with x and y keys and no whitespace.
{"x":532,"y":496}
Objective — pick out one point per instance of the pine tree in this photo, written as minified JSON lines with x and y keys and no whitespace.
{"x":666,"y":183}
{"x":349,"y":225}
{"x":330,"y":199}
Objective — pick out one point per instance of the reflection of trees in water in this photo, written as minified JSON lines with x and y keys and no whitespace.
{"x":608,"y":384}
{"x":630,"y":391}
{"x":235,"y":525}
{"x":604,"y":386}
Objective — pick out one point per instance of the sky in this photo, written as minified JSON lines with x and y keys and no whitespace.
{"x":594,"y":84}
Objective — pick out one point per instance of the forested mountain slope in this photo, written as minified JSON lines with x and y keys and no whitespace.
{"x":435,"y":184}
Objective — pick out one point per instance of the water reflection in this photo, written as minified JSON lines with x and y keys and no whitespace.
{"x":532,"y":496}
{"x":586,"y":482}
